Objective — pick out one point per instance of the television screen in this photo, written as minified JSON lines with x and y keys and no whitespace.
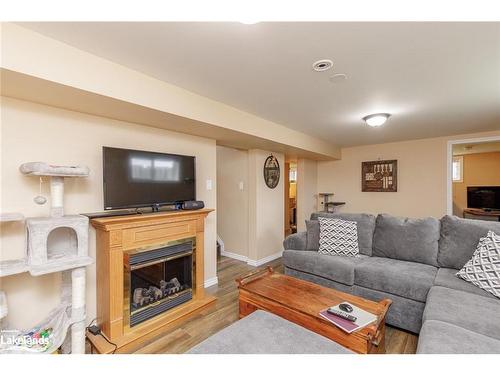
{"x":139,"y":178}
{"x":483,"y":197}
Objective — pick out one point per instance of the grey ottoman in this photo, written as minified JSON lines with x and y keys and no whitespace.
{"x":265,"y":333}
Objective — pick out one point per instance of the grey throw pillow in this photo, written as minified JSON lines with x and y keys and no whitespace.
{"x":483,"y":269}
{"x":338,"y":237}
{"x":312,"y":228}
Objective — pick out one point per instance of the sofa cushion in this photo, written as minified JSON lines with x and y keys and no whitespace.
{"x":336,"y":268}
{"x":483,"y":269}
{"x":264,"y":333}
{"x":403,"y":313}
{"x":459,"y":239}
{"x":296,"y":241}
{"x":447,"y":278}
{"x":338,"y":237}
{"x":413,"y":240}
{"x":470,"y":311}
{"x":443,"y":338}
{"x":406,"y":279}
{"x":365,"y":223}
{"x":312,"y":229}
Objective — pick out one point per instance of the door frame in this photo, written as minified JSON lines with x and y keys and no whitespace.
{"x":449,"y":165}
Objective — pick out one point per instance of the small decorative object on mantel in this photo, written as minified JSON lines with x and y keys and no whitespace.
{"x":271,"y":171}
{"x":379,"y":176}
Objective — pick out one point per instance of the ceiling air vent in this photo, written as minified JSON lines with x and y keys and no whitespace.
{"x":322,"y":65}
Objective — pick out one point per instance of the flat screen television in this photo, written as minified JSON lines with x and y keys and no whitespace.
{"x":133,"y":178}
{"x":485,"y":197}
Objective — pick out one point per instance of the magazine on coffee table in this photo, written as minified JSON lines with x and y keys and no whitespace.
{"x":364,"y":318}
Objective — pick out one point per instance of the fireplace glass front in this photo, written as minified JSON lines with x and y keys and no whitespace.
{"x":157,"y":280}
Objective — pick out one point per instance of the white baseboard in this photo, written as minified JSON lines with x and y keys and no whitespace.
{"x":211,"y":282}
{"x":260,"y":262}
{"x":234,"y":256}
{"x":251,"y":262}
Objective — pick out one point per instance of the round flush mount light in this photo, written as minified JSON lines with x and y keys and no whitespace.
{"x":322,"y":65}
{"x":377,"y":119}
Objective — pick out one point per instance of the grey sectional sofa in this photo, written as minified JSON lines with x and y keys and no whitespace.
{"x":413,"y":262}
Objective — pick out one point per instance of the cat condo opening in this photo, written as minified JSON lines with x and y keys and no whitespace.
{"x":57,"y":242}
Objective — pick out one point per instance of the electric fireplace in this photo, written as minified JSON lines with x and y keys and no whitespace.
{"x":157,"y":279}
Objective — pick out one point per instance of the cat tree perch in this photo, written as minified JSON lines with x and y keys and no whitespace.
{"x":57,"y":243}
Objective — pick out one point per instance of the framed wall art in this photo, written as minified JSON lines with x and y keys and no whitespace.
{"x":379,"y":176}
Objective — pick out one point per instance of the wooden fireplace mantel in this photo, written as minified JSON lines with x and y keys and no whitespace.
{"x":116,"y":235}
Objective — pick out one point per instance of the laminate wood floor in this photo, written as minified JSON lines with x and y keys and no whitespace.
{"x":188,"y":334}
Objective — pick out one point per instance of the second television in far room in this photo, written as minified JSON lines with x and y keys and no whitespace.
{"x":483,"y":197}
{"x":134,"y":178}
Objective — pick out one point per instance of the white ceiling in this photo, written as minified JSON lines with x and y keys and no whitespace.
{"x":434,"y":78}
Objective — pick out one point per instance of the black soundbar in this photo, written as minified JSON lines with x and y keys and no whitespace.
{"x":193,"y":205}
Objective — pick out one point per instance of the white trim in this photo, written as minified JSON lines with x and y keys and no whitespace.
{"x":449,"y":159}
{"x":251,"y":262}
{"x":211,"y":282}
{"x":233,"y":255}
{"x":221,"y":243}
{"x":260,"y":262}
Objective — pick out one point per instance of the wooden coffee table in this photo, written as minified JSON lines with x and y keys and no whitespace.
{"x":301,"y":301}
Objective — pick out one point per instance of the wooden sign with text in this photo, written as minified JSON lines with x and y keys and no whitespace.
{"x":379,"y":176}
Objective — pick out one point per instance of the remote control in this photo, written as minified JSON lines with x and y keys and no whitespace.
{"x":342,"y":314}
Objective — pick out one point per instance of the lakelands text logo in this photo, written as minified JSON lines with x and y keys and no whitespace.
{"x":13,"y":339}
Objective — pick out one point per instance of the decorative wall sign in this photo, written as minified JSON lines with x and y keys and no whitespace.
{"x":271,"y":172}
{"x":379,"y":176}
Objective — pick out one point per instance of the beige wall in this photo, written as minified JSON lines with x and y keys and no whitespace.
{"x":481,"y":169}
{"x":232,"y":202}
{"x":32,"y":132}
{"x":307,"y":190}
{"x":266,"y":209}
{"x":422,"y":177}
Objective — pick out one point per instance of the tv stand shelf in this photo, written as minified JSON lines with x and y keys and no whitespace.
{"x":480,"y":214}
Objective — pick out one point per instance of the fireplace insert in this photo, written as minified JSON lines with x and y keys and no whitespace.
{"x":157,"y":279}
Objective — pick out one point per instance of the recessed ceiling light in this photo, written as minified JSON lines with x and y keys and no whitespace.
{"x":338,"y":77}
{"x":377,"y":119}
{"x":322,"y":65}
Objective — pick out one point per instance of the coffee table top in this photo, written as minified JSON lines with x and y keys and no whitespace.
{"x":307,"y":297}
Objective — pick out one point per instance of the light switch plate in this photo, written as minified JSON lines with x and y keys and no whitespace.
{"x":240,"y":185}
{"x":209,"y":184}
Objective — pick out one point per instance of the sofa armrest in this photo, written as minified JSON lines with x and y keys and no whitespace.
{"x":296,"y":241}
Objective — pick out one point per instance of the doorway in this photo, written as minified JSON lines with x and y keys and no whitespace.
{"x":290,"y":198}
{"x":474,"y":178}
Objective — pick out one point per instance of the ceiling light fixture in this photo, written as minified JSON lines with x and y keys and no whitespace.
{"x":322,"y":65}
{"x":338,"y":77}
{"x":377,"y":119}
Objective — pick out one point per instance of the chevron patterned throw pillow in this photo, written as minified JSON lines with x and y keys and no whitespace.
{"x":338,"y":237}
{"x":483,"y":269}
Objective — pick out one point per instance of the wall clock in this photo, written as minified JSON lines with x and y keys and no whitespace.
{"x":271,"y":172}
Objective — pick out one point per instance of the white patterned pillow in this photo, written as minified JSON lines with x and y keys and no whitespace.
{"x":483,"y":269}
{"x":338,"y":237}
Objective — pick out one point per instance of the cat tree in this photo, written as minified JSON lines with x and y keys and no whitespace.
{"x":55,"y":243}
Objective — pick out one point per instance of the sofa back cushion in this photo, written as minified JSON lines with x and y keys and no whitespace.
{"x":312,"y":230}
{"x":413,"y":240}
{"x":365,"y":224}
{"x":459,"y":239}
